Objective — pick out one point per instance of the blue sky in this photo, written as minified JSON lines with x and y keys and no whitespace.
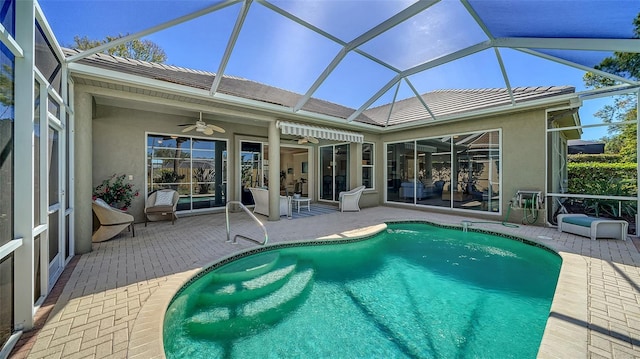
{"x":274,"y":50}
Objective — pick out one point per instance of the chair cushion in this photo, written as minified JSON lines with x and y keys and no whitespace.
{"x":581,"y":221}
{"x":100,"y":202}
{"x":159,"y":209}
{"x":164,"y":198}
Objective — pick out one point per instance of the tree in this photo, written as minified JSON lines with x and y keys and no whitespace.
{"x":144,"y":50}
{"x":622,"y":138}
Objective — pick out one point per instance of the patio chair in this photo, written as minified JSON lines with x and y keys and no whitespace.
{"x":160,"y":205}
{"x":261,"y":200}
{"x":112,"y":221}
{"x":348,"y":200}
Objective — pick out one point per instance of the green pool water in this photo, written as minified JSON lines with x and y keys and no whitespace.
{"x":412,"y":291}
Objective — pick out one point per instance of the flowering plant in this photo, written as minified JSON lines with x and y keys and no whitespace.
{"x":116,"y":192}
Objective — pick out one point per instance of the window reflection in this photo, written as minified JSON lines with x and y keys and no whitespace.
{"x":251,"y":167}
{"x":7,"y":65}
{"x":7,"y":16}
{"x":457,"y":171}
{"x":6,"y":144}
{"x":46,"y":60}
{"x":195,"y":167}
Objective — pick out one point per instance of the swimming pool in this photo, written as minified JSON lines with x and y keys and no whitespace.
{"x":414,"y":290}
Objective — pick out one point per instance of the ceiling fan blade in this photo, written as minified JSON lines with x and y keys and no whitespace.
{"x":187,"y":129}
{"x":216,"y":128}
{"x":208,"y":131}
{"x":313,"y":139}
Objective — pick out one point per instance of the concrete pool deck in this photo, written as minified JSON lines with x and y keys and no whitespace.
{"x":112,"y":302}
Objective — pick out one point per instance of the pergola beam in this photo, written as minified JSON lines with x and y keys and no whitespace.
{"x":447,"y":58}
{"x":621,"y":45}
{"x":323,"y":33}
{"x":358,"y":41}
{"x":373,"y":98}
{"x":151,"y":30}
{"x":419,"y":97}
{"x":477,"y":18}
{"x":393,"y":103}
{"x":391,"y":22}
{"x":578,"y":66}
{"x":503,"y":69}
{"x":242,"y":15}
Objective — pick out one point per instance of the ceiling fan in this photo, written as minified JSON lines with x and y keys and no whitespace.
{"x":306,"y":139}
{"x":201,"y":126}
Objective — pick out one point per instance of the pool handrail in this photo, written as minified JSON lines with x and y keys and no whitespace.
{"x":247,"y":211}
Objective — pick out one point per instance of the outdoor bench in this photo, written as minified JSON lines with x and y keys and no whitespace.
{"x":592,"y":227}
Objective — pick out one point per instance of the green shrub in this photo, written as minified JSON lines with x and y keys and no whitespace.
{"x":605,"y":179}
{"x":590,"y":177}
{"x":595,"y":158}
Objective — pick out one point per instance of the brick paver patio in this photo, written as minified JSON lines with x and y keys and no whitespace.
{"x":112,"y":303}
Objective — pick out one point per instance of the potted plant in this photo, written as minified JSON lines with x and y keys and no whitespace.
{"x":116,"y":192}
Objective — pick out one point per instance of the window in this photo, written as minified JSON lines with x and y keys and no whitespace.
{"x":195,"y":167}
{"x":6,"y":298}
{"x":6,"y":145}
{"x":47,"y":62}
{"x":368,"y":173}
{"x":7,"y":65}
{"x":453,"y":171}
{"x":7,"y":17}
{"x":36,"y":155}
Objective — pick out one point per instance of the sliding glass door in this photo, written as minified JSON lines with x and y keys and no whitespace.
{"x":251,"y":167}
{"x":452,"y":171}
{"x":334,"y":171}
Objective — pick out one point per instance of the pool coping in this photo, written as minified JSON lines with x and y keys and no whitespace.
{"x":569,"y":300}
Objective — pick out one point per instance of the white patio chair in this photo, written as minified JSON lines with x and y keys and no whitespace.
{"x":348,"y":200}
{"x":261,"y":200}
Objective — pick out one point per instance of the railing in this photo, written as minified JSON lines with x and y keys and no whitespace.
{"x":247,"y":211}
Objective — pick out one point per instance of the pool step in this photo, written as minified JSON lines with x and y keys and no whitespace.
{"x":246,"y":268}
{"x":250,"y":289}
{"x":237,"y":319}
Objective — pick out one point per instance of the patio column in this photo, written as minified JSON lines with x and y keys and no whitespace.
{"x":83,"y":170}
{"x":274,"y":172}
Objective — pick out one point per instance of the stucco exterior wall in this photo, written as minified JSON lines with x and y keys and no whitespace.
{"x":119,"y":145}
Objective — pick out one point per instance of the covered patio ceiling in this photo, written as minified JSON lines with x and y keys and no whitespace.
{"x":367,"y":54}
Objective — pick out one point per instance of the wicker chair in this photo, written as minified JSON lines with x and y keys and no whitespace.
{"x":349,"y":200}
{"x":261,"y":200}
{"x":112,"y":221}
{"x":161,"y":204}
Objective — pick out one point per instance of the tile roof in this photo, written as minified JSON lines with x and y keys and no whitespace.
{"x":452,"y":102}
{"x":440,"y":102}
